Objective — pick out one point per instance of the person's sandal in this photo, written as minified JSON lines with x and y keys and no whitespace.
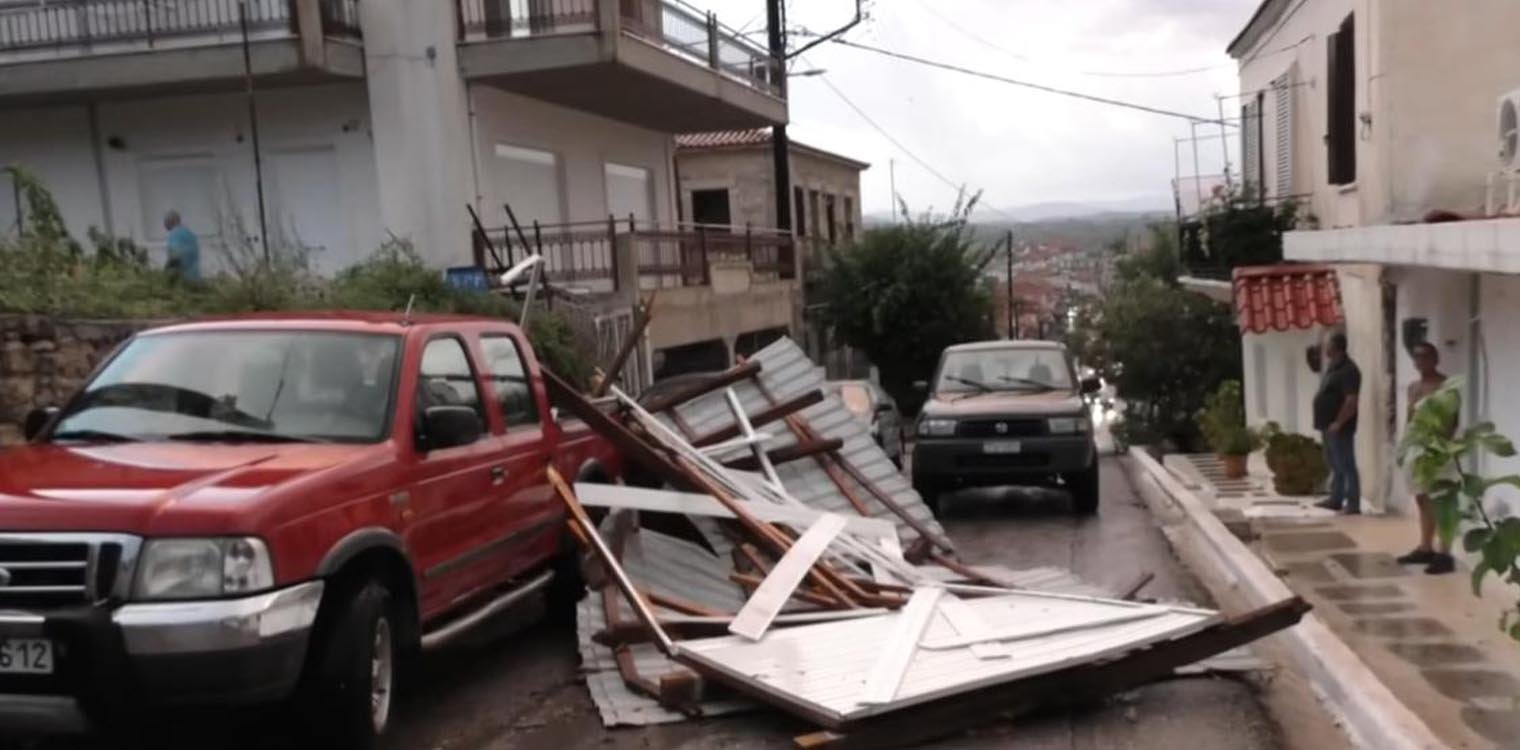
{"x":1417,"y":557}
{"x":1441,"y":564}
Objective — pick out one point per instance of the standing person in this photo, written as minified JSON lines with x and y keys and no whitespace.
{"x":1437,"y":559}
{"x":183,"y":248}
{"x":1335,"y":417}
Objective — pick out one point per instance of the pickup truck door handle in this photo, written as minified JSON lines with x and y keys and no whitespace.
{"x":498,"y":474}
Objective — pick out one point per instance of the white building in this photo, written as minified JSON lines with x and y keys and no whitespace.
{"x":1376,"y":113}
{"x":388,"y":118}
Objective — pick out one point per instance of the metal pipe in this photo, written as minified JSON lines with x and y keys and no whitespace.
{"x":452,"y":631}
{"x":253,"y":126}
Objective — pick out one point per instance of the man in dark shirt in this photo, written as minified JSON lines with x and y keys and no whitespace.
{"x":1335,"y":418}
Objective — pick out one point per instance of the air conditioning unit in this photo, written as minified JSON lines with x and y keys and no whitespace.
{"x":1509,"y":130}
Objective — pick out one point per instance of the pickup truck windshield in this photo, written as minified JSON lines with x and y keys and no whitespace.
{"x":1013,"y":369}
{"x":241,"y":386}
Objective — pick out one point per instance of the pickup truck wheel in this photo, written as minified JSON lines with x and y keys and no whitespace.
{"x":357,"y":679}
{"x":1084,"y":489}
{"x":568,"y":586}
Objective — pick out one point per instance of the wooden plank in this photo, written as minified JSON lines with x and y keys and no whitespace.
{"x":897,"y":653}
{"x":630,"y":446}
{"x":752,"y":582}
{"x":755,"y":616}
{"x":679,"y":604}
{"x":1076,"y":684}
{"x":721,"y":380}
{"x":787,"y":453}
{"x":762,"y":417}
{"x":1130,"y":591}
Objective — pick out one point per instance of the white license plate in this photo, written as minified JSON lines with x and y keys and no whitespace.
{"x":26,"y":656}
{"x":1002,"y":447}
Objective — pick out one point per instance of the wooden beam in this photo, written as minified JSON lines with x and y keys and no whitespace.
{"x":788,"y":453}
{"x":682,"y":605}
{"x":763,"y":417}
{"x":721,"y":380}
{"x":632,"y":447}
{"x":751,"y":582}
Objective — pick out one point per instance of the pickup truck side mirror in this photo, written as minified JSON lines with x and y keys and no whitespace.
{"x":921,"y":386}
{"x":1091,"y":385}
{"x":37,"y":419}
{"x":449,"y":427}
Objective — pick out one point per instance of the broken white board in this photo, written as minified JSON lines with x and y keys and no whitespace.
{"x":776,"y":590}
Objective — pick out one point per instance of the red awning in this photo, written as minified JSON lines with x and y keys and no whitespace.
{"x":1285,"y":297}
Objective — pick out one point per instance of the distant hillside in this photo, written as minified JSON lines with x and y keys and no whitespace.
{"x":1094,"y":231}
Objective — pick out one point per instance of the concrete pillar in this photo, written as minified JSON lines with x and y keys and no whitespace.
{"x":420,"y":121}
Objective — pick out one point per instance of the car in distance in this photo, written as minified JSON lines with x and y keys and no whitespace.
{"x":1006,"y":413}
{"x":873,"y":406}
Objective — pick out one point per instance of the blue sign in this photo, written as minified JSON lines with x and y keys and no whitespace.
{"x":468,"y":278}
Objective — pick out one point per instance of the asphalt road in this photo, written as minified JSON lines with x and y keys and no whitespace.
{"x":515,"y":684}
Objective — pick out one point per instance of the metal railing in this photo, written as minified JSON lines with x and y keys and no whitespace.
{"x":669,"y":24}
{"x":86,"y":22}
{"x":590,"y":253}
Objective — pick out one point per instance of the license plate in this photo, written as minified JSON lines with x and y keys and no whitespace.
{"x":26,"y":656}
{"x":1002,"y":447}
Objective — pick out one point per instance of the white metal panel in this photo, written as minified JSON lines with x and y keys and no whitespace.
{"x":776,"y":589}
{"x":688,"y":503}
{"x":894,"y":656}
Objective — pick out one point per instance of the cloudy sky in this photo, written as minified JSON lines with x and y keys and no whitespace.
{"x":1016,"y":145}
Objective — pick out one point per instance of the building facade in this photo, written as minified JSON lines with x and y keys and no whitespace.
{"x":1380,"y":117}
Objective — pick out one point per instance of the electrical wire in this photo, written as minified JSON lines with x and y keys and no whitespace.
{"x":1032,"y":85}
{"x":959,"y":187}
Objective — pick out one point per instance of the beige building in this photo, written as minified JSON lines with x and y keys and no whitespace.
{"x":1376,"y":113}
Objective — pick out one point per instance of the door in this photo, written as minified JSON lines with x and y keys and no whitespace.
{"x":307,"y":209}
{"x":711,"y":207}
{"x":452,"y":499}
{"x":527,"y":502}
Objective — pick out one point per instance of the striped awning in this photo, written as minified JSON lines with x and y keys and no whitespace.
{"x":1285,"y":297}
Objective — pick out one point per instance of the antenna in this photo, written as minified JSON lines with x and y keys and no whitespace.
{"x":406,"y":317}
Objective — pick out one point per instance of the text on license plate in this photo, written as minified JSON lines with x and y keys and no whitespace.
{"x":26,"y":656}
{"x":1002,"y":447}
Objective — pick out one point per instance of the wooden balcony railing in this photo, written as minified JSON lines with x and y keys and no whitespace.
{"x":82,"y":23}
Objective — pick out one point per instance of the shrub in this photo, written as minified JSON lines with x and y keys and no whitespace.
{"x":1223,"y":422}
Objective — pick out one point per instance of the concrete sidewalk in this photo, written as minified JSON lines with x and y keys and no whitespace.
{"x":1434,"y":644}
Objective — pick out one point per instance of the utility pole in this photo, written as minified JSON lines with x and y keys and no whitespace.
{"x":253,"y":126}
{"x":892,"y":176}
{"x":1009,"y":283}
{"x":780,"y":145}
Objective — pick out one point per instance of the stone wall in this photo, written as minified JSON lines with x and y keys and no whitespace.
{"x":44,"y":360}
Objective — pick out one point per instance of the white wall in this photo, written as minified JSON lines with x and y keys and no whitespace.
{"x":583,"y":144}
{"x":1500,"y":347}
{"x":1279,"y":386}
{"x":1362,"y":301}
{"x":314,"y":139}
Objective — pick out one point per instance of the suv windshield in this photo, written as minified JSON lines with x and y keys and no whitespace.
{"x":1012,"y":369}
{"x":264,"y":386}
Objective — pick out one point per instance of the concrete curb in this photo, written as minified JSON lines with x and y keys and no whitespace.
{"x":1370,"y":712}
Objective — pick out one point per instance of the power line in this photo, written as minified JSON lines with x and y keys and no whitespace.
{"x":959,"y":187}
{"x":1031,"y":85}
{"x":1025,"y":58}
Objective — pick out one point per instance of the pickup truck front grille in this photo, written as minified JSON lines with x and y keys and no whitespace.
{"x":43,"y":571}
{"x":1010,"y":428}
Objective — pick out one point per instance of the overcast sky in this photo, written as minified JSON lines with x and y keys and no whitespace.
{"x":1017,"y":145}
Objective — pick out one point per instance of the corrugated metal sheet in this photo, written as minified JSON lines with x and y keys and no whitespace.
{"x":826,"y":666}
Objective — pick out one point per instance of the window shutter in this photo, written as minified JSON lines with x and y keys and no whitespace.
{"x":1250,"y":147}
{"x":1282,"y":101}
{"x":1341,"y":109}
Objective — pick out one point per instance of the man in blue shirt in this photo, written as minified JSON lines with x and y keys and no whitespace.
{"x":183,"y":248}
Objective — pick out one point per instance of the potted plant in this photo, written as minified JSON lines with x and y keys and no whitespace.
{"x":1297,"y":462}
{"x":1223,"y":423}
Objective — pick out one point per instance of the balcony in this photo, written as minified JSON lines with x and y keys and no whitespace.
{"x":69,"y":49}
{"x":659,"y":64}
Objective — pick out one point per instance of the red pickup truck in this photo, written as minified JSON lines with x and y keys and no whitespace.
{"x":277,"y":506}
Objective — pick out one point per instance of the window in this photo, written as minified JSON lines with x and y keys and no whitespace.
{"x":849,"y":218}
{"x":1250,"y":146}
{"x":528,"y":180}
{"x":1282,"y":127}
{"x":814,"y":212}
{"x":514,"y":392}
{"x":628,"y":192}
{"x":710,"y":207}
{"x":447,"y":379}
{"x":1340,"y":136}
{"x":831,"y":219}
{"x":800,"y":220}
{"x":1009,"y":369}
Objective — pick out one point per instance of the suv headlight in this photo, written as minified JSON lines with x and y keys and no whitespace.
{"x":1070,"y":425}
{"x":202,"y":568}
{"x":936,"y":427}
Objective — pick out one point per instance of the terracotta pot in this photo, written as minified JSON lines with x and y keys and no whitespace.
{"x":1234,"y":466}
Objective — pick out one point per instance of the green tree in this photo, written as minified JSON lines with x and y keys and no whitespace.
{"x":903,"y":293}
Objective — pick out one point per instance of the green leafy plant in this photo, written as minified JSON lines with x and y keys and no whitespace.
{"x":1297,"y":461}
{"x":1442,"y":463}
{"x":1223,"y":421}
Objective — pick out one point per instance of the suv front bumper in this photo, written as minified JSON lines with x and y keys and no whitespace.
{"x":110,"y":664}
{"x":965,"y":462}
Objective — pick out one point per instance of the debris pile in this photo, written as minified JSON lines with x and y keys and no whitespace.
{"x":786,"y":562}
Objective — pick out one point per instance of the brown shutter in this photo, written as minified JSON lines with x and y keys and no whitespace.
{"x":1341,"y":110}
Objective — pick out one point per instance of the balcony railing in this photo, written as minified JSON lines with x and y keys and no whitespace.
{"x":83,"y":23}
{"x":591,"y":254}
{"x":669,"y":24}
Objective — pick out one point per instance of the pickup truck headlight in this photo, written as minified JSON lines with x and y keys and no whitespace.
{"x":936,"y":427}
{"x":202,"y":568}
{"x":1070,"y":425}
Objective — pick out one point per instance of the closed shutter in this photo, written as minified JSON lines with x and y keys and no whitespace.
{"x":1250,"y":147}
{"x":1341,"y":93}
{"x":1282,"y":101}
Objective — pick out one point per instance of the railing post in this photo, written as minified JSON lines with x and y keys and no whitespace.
{"x":148,"y":21}
{"x":612,"y":251}
{"x":749,"y":246}
{"x":712,"y":40}
{"x":702,"y":247}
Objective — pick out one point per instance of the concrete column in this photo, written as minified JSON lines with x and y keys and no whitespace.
{"x":420,"y":122}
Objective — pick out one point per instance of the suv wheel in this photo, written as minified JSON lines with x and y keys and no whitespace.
{"x":1084,"y":489}
{"x":933,"y":496}
{"x":356,"y":677}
